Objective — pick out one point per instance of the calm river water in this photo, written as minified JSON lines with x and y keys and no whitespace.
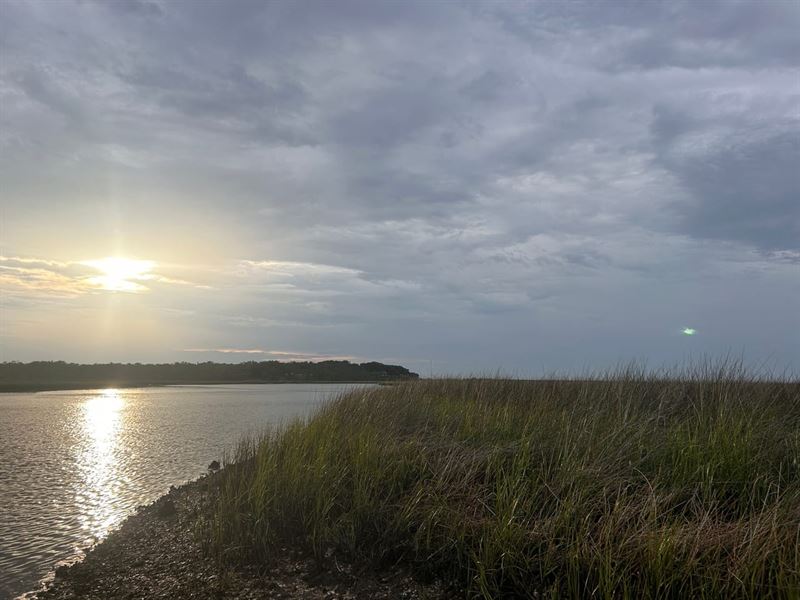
{"x":74,"y":464}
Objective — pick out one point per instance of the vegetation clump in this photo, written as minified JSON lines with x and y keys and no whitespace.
{"x":632,"y":485}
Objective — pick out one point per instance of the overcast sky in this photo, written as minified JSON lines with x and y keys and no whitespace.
{"x":453,"y":186}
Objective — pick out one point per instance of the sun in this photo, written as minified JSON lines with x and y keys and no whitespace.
{"x":120,"y":274}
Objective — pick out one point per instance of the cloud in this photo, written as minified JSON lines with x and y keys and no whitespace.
{"x":464,"y":182}
{"x":31,"y":276}
{"x":294,"y":269}
{"x":137,"y":8}
{"x":273,"y":354}
{"x":43,"y":277}
{"x":743,"y":182}
{"x":229,"y":350}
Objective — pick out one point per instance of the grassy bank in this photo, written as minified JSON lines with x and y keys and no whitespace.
{"x":630,"y":486}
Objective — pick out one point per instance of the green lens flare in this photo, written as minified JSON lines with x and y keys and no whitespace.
{"x":689,"y":331}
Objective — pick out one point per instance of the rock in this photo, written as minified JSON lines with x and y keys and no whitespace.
{"x":62,"y":571}
{"x":214,"y":466}
{"x":166,"y":507}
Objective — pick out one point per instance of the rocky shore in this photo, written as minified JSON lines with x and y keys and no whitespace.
{"x":157,"y":553}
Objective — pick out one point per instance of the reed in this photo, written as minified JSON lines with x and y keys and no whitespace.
{"x":628,"y":485}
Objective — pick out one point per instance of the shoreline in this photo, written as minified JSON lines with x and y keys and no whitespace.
{"x":157,"y":552}
{"x":490,"y":485}
{"x":65,"y":387}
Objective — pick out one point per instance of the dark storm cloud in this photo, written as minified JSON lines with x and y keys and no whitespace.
{"x":744,"y":184}
{"x":393,"y":172}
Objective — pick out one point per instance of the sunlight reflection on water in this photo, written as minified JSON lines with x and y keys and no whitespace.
{"x":74,"y":464}
{"x":98,"y":462}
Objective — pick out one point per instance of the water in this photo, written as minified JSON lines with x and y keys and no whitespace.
{"x":74,"y":464}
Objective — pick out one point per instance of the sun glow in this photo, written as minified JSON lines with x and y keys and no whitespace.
{"x":120,"y":274}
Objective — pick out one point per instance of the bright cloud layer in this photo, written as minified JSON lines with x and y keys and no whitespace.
{"x":43,"y":278}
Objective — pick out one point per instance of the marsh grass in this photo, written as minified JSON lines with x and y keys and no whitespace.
{"x":630,"y":485}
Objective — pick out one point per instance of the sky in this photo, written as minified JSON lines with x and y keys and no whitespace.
{"x":458,"y":187}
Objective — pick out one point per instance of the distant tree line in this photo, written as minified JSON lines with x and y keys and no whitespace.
{"x":62,"y":375}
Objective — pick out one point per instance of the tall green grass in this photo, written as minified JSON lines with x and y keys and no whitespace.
{"x":626,"y":486}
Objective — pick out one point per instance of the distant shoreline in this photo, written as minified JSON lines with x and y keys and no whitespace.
{"x":14,"y":388}
{"x":41,"y":376}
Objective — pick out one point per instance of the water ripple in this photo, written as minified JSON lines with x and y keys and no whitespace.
{"x":74,"y":464}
